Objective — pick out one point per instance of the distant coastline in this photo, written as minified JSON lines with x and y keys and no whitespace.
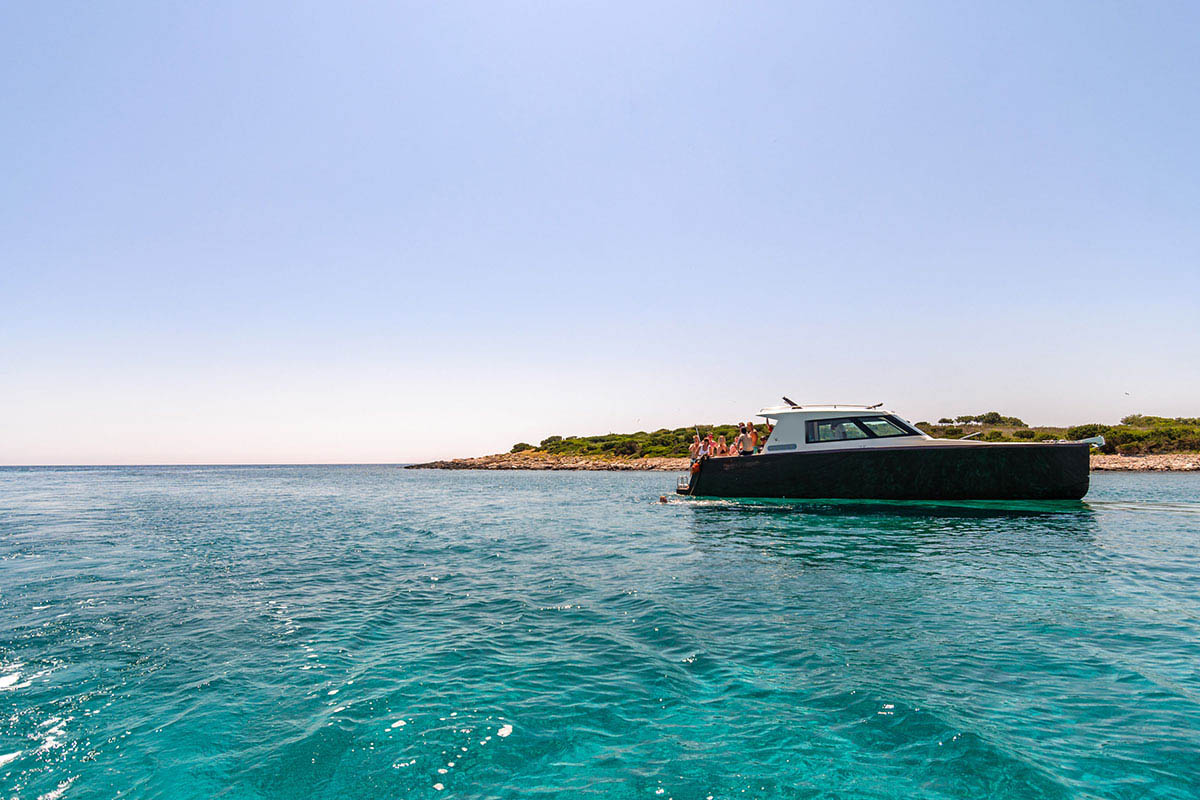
{"x":536,"y":460}
{"x":1140,"y":443}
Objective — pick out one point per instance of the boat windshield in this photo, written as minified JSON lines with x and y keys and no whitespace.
{"x":847,"y":428}
{"x":881,"y":426}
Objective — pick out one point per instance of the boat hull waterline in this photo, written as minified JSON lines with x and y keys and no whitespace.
{"x":1041,"y":471}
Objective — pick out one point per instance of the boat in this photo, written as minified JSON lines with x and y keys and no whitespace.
{"x":869,"y":452}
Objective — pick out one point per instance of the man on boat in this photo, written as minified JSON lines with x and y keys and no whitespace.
{"x":694,"y":448}
{"x":745,"y":442}
{"x":753,"y":431}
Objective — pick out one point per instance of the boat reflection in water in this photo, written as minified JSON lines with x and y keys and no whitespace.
{"x":766,"y":508}
{"x":867,"y":452}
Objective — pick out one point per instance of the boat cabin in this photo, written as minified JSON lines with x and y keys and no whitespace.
{"x":817,"y":428}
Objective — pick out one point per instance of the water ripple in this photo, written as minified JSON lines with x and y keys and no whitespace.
{"x":367,"y":631}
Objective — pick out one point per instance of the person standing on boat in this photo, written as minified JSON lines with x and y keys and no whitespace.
{"x":753,"y":431}
{"x":694,"y":448}
{"x":745,"y":442}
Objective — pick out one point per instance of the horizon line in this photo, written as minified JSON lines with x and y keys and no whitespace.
{"x":231,"y":464}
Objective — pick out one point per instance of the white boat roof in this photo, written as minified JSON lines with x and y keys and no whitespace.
{"x":840,"y":410}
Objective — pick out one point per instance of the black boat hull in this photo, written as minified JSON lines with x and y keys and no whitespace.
{"x":917,"y":472}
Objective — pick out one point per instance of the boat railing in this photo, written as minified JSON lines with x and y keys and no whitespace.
{"x":683,"y":482}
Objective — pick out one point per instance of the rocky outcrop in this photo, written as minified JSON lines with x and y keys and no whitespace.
{"x":530,"y":459}
{"x":1167,"y":462}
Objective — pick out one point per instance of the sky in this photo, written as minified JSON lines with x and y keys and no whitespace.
{"x":268,"y":232}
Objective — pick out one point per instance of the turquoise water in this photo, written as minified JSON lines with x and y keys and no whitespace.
{"x":372,"y":632}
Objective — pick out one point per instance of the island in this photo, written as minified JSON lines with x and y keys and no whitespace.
{"x":1138,"y":443}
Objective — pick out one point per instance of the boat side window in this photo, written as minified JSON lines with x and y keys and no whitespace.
{"x":834,"y":430}
{"x":881,"y":426}
{"x":847,"y":428}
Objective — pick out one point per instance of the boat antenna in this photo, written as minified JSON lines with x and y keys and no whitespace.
{"x":791,"y":403}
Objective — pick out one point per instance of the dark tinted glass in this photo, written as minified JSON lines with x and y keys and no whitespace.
{"x":849,"y":428}
{"x":883,"y":427}
{"x":837,"y":430}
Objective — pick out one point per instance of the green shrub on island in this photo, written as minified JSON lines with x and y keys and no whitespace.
{"x":992,"y":427}
{"x":662,"y":443}
{"x":988,"y":418}
{"x":1087,"y":431}
{"x":1139,"y":435}
{"x":943,"y":432}
{"x":1136,"y":434}
{"x":1143,"y":421}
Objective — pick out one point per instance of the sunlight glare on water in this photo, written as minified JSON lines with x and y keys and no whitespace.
{"x":361,"y":632}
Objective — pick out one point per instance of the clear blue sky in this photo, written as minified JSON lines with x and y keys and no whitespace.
{"x":239,"y":232}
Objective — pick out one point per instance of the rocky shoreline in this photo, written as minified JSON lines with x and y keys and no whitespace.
{"x":1167,"y":462}
{"x":533,"y":460}
{"x":542,"y":461}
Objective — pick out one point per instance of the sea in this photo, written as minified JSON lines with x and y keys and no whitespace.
{"x":376,"y":632}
